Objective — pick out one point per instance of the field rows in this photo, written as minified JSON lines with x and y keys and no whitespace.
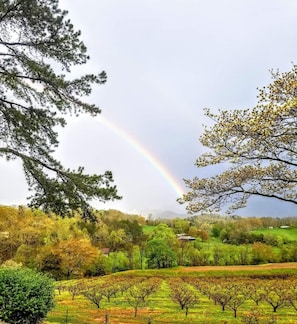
{"x":160,"y":308}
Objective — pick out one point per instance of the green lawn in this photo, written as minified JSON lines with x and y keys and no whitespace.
{"x":148,"y":229}
{"x":290,"y":234}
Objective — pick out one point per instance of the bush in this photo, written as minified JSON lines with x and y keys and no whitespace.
{"x":25,"y":296}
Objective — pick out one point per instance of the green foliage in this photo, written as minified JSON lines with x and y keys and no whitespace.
{"x":148,"y":229}
{"x":164,"y":232}
{"x":263,"y":253}
{"x":25,"y":296}
{"x":117,"y":261}
{"x":37,"y":43}
{"x":51,"y":263}
{"x":132,"y":229}
{"x":159,"y":254}
{"x":99,"y":267}
{"x":216,"y":229}
{"x":72,"y":247}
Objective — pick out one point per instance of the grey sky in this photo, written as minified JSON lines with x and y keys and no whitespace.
{"x":166,"y":60}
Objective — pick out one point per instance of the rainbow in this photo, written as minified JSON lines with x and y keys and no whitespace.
{"x":145,"y":153}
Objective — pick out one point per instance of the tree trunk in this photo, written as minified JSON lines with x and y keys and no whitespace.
{"x":106,"y":318}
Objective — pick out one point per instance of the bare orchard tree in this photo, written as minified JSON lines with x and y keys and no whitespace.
{"x":183,"y":294}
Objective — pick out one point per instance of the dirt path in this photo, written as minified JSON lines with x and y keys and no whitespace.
{"x":290,"y":265}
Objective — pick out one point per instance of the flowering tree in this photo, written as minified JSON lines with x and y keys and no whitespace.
{"x":258,"y":146}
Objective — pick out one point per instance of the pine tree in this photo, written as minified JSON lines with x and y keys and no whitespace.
{"x":38,"y":48}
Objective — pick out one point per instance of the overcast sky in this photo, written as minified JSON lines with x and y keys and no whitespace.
{"x":166,"y":60}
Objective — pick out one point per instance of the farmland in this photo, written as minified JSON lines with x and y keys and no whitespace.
{"x":160,"y":307}
{"x":103,"y":268}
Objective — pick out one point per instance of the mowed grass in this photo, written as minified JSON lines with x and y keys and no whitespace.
{"x":289,"y":234}
{"x":161,"y":309}
{"x":148,"y":229}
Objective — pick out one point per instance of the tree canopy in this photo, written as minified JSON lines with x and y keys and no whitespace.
{"x":256,"y":149}
{"x":38,"y":48}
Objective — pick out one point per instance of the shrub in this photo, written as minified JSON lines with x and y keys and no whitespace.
{"x":26,"y":296}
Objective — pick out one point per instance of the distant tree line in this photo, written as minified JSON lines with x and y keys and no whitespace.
{"x":72,"y":247}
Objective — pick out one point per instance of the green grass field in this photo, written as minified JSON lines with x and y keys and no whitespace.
{"x":161,"y":309}
{"x":290,"y":234}
{"x":148,"y":229}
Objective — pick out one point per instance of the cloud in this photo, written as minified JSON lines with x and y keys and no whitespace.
{"x":167,"y":60}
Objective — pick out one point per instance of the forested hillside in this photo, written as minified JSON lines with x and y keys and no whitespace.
{"x":74,"y":248}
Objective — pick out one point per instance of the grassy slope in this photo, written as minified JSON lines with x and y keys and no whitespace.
{"x":289,"y":234}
